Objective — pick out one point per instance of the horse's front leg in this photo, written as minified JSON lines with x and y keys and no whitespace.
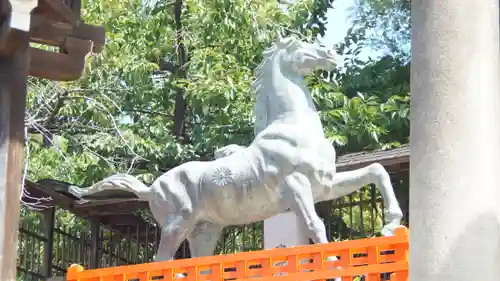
{"x":297,"y":194}
{"x":345,"y":183}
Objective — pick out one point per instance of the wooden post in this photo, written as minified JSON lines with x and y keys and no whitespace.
{"x":13,"y":78}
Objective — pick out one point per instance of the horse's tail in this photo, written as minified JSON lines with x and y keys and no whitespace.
{"x":228,"y":150}
{"x":121,"y":182}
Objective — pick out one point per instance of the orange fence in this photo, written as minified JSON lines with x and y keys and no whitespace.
{"x":365,"y":257}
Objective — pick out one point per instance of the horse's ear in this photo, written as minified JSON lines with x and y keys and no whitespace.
{"x":317,"y":41}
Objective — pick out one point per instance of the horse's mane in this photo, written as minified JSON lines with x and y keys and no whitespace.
{"x":267,"y":55}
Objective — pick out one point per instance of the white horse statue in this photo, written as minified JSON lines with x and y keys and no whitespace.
{"x":289,"y":165}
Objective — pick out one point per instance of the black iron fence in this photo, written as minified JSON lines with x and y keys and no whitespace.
{"x":48,"y":245}
{"x":358,"y":215}
{"x":50,"y":240}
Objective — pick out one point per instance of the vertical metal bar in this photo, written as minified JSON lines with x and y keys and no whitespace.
{"x":136,"y":258}
{"x":114,"y":245}
{"x":243,"y":236}
{"x":101,"y":249}
{"x":29,"y":250}
{"x":328,"y":220}
{"x":373,"y":207}
{"x":22,"y":243}
{"x":49,"y":224}
{"x":110,"y":249}
{"x":38,"y":254}
{"x":254,"y":236}
{"x":129,"y":241}
{"x":82,"y":246}
{"x":224,"y":231}
{"x":382,"y":207}
{"x":361,"y":201}
{"x":341,"y":218}
{"x":351,"y":225}
{"x":146,"y":245}
{"x":26,"y":243}
{"x":261,"y":235}
{"x":235,"y":232}
{"x":64,"y":252}
{"x":156,"y":238}
{"x":119,"y":249}
{"x":95,"y":239}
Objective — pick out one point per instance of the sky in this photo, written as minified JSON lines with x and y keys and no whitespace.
{"x":337,"y":22}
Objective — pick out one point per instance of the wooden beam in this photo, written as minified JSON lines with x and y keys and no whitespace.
{"x":21,"y":14}
{"x":388,"y":158}
{"x":56,"y":9}
{"x":13,"y":78}
{"x":70,"y":66}
{"x":49,"y":32}
{"x":58,"y":199}
{"x":5,"y":14}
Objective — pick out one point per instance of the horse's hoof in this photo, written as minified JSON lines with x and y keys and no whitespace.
{"x":389,"y":229}
{"x":393,"y":216}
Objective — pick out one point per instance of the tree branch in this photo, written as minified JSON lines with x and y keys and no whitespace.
{"x":169,"y":66}
{"x":179,"y":129}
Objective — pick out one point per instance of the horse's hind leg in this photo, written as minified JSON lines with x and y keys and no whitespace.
{"x":204,"y":238}
{"x":173,"y":209}
{"x":174,"y":230}
{"x":347,"y":182}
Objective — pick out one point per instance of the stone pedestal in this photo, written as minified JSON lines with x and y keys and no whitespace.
{"x":455,"y":141}
{"x":284,"y":230}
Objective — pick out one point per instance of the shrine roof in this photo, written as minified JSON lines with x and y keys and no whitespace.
{"x":394,"y":160}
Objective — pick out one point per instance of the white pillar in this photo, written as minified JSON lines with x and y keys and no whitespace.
{"x":455,"y":141}
{"x":284,"y":230}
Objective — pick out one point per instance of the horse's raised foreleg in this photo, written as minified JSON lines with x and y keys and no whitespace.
{"x":348,"y":182}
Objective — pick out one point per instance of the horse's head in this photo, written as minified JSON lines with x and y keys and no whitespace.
{"x":303,"y":57}
{"x":278,"y":84}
